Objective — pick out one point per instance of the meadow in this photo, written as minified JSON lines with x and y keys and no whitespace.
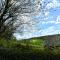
{"x":27,"y":49}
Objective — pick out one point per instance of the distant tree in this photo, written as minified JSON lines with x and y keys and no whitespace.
{"x":12,"y":13}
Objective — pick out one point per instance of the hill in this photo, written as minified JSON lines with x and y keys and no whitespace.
{"x":28,"y":49}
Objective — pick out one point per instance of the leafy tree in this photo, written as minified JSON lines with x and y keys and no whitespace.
{"x":12,"y":13}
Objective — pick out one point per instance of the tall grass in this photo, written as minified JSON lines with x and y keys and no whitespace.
{"x":31,"y":49}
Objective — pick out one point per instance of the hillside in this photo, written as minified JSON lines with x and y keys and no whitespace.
{"x":28,"y":49}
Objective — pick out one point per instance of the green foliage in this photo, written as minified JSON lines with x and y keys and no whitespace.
{"x":31,"y":49}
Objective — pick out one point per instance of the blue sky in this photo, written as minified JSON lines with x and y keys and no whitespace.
{"x":47,"y":23}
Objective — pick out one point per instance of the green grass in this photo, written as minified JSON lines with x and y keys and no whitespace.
{"x":28,"y":49}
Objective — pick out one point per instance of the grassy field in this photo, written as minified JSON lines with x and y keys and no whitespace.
{"x":27,"y":49}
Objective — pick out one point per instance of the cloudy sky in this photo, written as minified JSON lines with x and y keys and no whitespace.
{"x":48,"y":23}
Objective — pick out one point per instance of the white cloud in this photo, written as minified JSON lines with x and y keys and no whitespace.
{"x":25,"y":36}
{"x":49,"y":31}
{"x":53,"y":4}
{"x":51,"y":22}
{"x":58,"y":19}
{"x":47,"y":13}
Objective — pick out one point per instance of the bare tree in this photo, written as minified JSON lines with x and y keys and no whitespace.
{"x":12,"y":13}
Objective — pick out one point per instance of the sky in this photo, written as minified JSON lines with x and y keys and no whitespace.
{"x":47,"y":23}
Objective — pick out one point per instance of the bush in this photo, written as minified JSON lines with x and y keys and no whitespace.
{"x":15,"y":50}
